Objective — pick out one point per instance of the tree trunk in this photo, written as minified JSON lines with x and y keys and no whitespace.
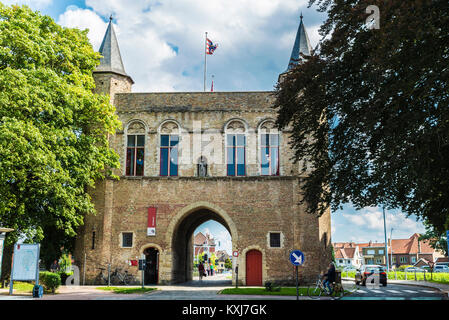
{"x":6,"y":262}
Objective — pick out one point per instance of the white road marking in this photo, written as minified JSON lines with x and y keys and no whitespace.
{"x":376,"y":291}
{"x":428,"y":291}
{"x":393,"y":291}
{"x":361,"y":291}
{"x":410,"y":291}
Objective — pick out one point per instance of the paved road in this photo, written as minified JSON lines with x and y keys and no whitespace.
{"x":208,"y":290}
{"x":394,"y":291}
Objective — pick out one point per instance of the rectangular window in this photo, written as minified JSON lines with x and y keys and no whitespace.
{"x":236,"y":162}
{"x":93,"y":240}
{"x":413,"y":259}
{"x":381,"y":252}
{"x":403,"y":259}
{"x":135,"y":153}
{"x":275,"y":240}
{"x":169,"y":155}
{"x":370,"y":251}
{"x":269,"y":154}
{"x":127,"y":239}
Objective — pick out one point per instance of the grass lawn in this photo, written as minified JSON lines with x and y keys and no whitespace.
{"x":23,"y":287}
{"x":126,"y":290}
{"x":285,"y":291}
{"x":26,"y":287}
{"x":438,"y":277}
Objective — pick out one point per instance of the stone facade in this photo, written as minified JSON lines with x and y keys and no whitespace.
{"x":250,"y":206}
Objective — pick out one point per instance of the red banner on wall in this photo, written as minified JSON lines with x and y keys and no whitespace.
{"x":151,"y":228}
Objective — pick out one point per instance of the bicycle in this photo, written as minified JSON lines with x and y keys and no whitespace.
{"x":122,"y":278}
{"x":101,"y":278}
{"x":318,"y":289}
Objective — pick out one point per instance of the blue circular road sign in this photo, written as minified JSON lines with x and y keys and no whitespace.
{"x":297,"y":258}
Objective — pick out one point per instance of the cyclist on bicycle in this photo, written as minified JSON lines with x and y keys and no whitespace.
{"x":329,"y":277}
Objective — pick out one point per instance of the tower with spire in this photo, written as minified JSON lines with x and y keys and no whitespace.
{"x":110,"y":76}
{"x":301,"y":46}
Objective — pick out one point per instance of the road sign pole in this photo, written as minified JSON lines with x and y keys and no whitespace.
{"x":237,"y":276}
{"x":297,"y":287}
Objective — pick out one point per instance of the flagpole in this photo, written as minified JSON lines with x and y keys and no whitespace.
{"x":205,"y":62}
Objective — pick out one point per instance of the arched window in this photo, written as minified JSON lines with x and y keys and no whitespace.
{"x":202,"y":167}
{"x":169,"y":140}
{"x":269,"y":149}
{"x":235,"y":148}
{"x":135,"y":149}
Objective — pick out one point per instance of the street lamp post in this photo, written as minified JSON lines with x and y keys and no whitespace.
{"x":386,"y":244}
{"x":391,"y":247}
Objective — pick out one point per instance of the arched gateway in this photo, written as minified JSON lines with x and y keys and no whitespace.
{"x":180,"y":235}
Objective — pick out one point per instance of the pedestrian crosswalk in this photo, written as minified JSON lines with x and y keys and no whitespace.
{"x":398,"y":291}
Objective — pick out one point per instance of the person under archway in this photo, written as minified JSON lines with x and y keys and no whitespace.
{"x":201,"y":270}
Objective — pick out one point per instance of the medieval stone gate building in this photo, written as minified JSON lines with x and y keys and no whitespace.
{"x":190,"y":157}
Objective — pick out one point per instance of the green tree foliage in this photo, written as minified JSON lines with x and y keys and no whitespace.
{"x":369,"y":109}
{"x":53,"y":128}
{"x":437,"y":240}
{"x":228,"y":264}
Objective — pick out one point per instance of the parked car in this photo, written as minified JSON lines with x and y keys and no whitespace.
{"x":349,"y":268}
{"x":365,"y":271}
{"x":440,"y":268}
{"x":414,"y":269}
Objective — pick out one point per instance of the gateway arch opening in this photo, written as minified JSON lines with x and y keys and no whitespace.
{"x":186,"y":254}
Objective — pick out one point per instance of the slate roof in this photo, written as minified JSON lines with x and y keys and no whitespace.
{"x":109,"y":49}
{"x":302,"y":45}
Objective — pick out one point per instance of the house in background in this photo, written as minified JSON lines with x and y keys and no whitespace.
{"x":412,"y":251}
{"x":203,"y":243}
{"x":220,"y":263}
{"x":347,"y":254}
{"x":373,"y":253}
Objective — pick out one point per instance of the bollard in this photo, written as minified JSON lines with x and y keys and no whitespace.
{"x":405,"y":274}
{"x":415,"y":275}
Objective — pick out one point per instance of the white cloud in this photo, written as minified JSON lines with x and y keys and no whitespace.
{"x":368,"y":224}
{"x":34,"y":4}
{"x":75,"y":17}
{"x":162,"y":43}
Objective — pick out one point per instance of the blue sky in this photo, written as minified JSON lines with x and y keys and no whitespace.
{"x":162,"y":46}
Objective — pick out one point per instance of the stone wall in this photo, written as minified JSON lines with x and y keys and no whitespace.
{"x":250,"y":207}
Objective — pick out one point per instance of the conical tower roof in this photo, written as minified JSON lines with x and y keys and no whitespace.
{"x":302,"y":45}
{"x":111,"y":60}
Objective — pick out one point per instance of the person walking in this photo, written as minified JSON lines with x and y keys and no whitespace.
{"x":54,"y":266}
{"x":201,"y":270}
{"x":211,"y":269}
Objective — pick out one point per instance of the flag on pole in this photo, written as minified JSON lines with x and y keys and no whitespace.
{"x":210,"y":46}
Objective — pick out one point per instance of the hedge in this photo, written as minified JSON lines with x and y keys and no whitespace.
{"x":50,"y":280}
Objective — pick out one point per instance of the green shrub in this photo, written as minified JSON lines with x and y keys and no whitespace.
{"x":50,"y":280}
{"x":402,"y":268}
